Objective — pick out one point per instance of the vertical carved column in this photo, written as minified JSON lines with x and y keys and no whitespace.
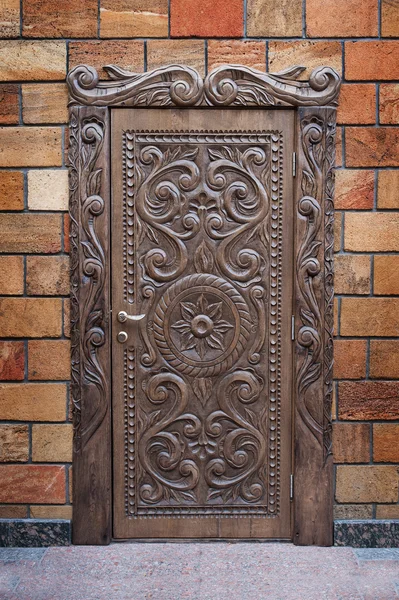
{"x":90,"y":309}
{"x":314,"y":326}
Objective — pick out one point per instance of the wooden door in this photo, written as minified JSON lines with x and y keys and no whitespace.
{"x":202,"y":245}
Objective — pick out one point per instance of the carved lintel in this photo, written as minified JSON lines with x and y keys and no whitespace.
{"x":228,"y":85}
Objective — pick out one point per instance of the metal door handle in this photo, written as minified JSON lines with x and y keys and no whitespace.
{"x":123,"y":317}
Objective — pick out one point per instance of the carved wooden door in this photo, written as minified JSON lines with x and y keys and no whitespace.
{"x":202,"y":243}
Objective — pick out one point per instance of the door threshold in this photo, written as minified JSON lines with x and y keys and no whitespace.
{"x":201,"y":540}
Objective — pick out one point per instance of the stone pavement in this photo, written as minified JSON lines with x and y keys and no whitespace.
{"x":198,"y":571}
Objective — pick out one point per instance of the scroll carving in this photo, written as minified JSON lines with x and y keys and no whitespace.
{"x":175,"y":85}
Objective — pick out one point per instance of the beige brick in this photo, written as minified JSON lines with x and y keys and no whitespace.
{"x":180,"y":52}
{"x":33,"y":401}
{"x":267,"y":18}
{"x":127,"y":54}
{"x":30,"y":233}
{"x":283,"y":55}
{"x":134,"y":18}
{"x":11,"y":190}
{"x":49,"y":359}
{"x":48,"y":189}
{"x":244,"y":52}
{"x":22,"y":60}
{"x":13,"y":511}
{"x":376,"y":317}
{"x":30,"y":317}
{"x":11,"y":275}
{"x":350,"y":359}
{"x":388,"y":189}
{"x":367,"y":484}
{"x":47,"y":275}
{"x":389,"y":18}
{"x":45,"y":103}
{"x":371,"y":232}
{"x":9,"y":18}
{"x":52,"y":443}
{"x":384,"y":359}
{"x":30,"y":146}
{"x":351,"y":442}
{"x":353,"y":511}
{"x":14,"y":443}
{"x":387,"y":511}
{"x":386,"y":274}
{"x":352,"y":274}
{"x":51,"y":512}
{"x":55,"y":19}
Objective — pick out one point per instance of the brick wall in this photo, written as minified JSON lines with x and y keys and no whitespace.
{"x":36,"y":50}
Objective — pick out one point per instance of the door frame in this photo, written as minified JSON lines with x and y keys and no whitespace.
{"x":232,"y":86}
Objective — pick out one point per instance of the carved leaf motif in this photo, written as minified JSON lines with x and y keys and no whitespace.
{"x":202,"y":387}
{"x":203,"y":259}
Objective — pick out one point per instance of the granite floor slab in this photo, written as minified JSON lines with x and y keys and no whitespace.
{"x":198,"y":571}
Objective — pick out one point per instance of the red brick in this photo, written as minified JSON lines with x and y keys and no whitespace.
{"x":206,"y":18}
{"x":372,"y":147}
{"x":341,"y":18}
{"x":9,"y":104}
{"x":66,"y":233}
{"x":386,"y":442}
{"x":368,"y":400}
{"x":11,"y":190}
{"x":389,"y":103}
{"x":127,"y":54}
{"x":42,"y":484}
{"x":357,"y":104}
{"x":354,"y":189}
{"x":54,"y":19}
{"x":377,"y":60}
{"x":12,"y":361}
{"x":384,"y":359}
{"x":351,"y":442}
{"x":243,"y":52}
{"x":350,"y":359}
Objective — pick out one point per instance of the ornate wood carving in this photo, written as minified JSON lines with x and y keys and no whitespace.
{"x":175,"y":85}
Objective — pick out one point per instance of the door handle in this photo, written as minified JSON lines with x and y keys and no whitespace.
{"x":123,"y":317}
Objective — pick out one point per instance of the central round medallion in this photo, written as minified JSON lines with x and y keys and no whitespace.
{"x":201,"y":325}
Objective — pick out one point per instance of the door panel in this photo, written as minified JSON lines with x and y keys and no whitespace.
{"x":202,"y":243}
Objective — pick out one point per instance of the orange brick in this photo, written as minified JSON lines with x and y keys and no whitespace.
{"x":30,"y":317}
{"x":33,"y":402}
{"x":389,"y":18}
{"x":12,"y":361}
{"x":376,"y":317}
{"x":67,"y":318}
{"x":52,"y":443}
{"x":206,"y":18}
{"x":30,"y":146}
{"x":53,"y":19}
{"x":387,"y":511}
{"x":14,"y":443}
{"x":357,"y":104}
{"x":354,"y":189}
{"x":45,"y":103}
{"x":337,"y":231}
{"x":49,"y":359}
{"x":13,"y":511}
{"x":243,"y":52}
{"x":180,"y":52}
{"x":386,"y":442}
{"x":11,"y":275}
{"x":22,"y":60}
{"x":126,"y":54}
{"x":47,"y":275}
{"x":351,"y":442}
{"x":388,"y":189}
{"x":371,"y":232}
{"x":312,"y":54}
{"x":377,"y":60}
{"x":9,"y":104}
{"x":350,"y":359}
{"x":368,"y":400}
{"x":11,"y":190}
{"x":50,"y":512}
{"x":341,"y":18}
{"x":30,"y":233}
{"x":352,"y":274}
{"x":384,"y":359}
{"x":9,"y":18}
{"x":372,"y":146}
{"x":386,"y":274}
{"x":32,"y":483}
{"x":134,"y":18}
{"x":267,"y":18}
{"x":367,"y":484}
{"x":389,"y":103}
